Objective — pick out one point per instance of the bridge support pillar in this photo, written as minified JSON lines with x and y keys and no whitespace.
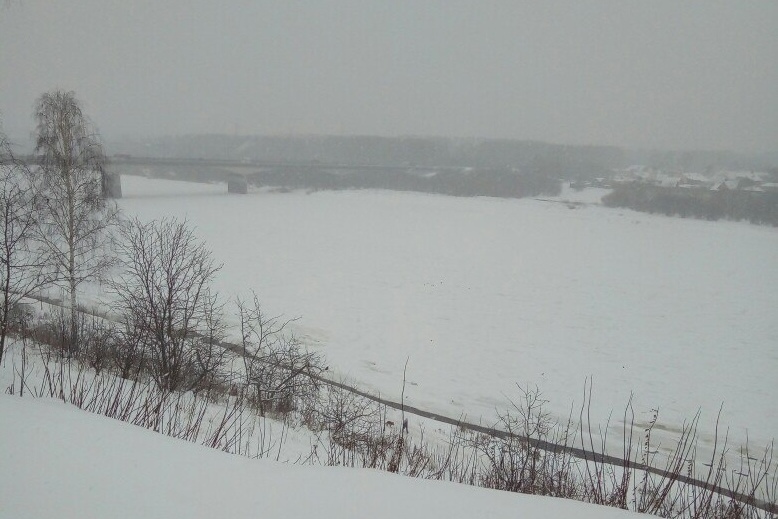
{"x":237,"y":184}
{"x":112,"y":185}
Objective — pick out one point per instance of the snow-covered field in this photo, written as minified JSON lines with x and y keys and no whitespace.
{"x":58,"y":461}
{"x":481,"y":294}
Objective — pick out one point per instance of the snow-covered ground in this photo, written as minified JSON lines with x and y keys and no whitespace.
{"x":481,"y":294}
{"x":58,"y":461}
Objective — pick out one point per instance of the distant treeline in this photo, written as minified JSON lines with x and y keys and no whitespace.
{"x":567,"y":162}
{"x":505,"y":183}
{"x":753,"y":206}
{"x":702,"y":161}
{"x":496,"y":182}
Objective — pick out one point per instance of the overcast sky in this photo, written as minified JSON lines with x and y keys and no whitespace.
{"x":664,"y":74}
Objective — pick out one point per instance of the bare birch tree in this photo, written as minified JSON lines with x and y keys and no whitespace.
{"x":22,"y":262}
{"x":76,"y":216}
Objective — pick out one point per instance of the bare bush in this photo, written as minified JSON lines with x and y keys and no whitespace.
{"x":605,"y":483}
{"x":96,"y":336}
{"x":352,"y":420}
{"x":355,"y":429}
{"x":357,"y":434}
{"x":22,"y":259}
{"x":280,"y":372}
{"x":530,"y":453}
{"x":98,"y":343}
{"x":517,"y":460}
{"x":168,"y":310}
{"x":229,"y":426}
{"x":129,"y":355}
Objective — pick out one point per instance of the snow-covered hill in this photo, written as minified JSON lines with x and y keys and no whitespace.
{"x":59,"y":462}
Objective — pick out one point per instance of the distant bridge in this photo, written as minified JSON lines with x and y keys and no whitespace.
{"x":315,"y":175}
{"x":254,"y":165}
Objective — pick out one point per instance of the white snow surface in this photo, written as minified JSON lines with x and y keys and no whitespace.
{"x":58,"y":461}
{"x":481,"y":294}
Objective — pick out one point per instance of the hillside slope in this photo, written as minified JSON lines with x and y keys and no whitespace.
{"x":57,"y":461}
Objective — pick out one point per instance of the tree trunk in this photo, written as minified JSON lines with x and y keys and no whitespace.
{"x":73,"y":346}
{"x":3,"y":329}
{"x":71,"y":201}
{"x":6,"y":308}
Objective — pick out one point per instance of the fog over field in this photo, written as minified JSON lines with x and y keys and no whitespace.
{"x":662,"y":74}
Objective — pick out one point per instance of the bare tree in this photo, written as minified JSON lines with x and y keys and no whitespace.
{"x":22,"y":262}
{"x":278,"y":368}
{"x":76,"y":216}
{"x":166,"y":302}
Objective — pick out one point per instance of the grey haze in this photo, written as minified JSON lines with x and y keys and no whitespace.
{"x":658,"y":74}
